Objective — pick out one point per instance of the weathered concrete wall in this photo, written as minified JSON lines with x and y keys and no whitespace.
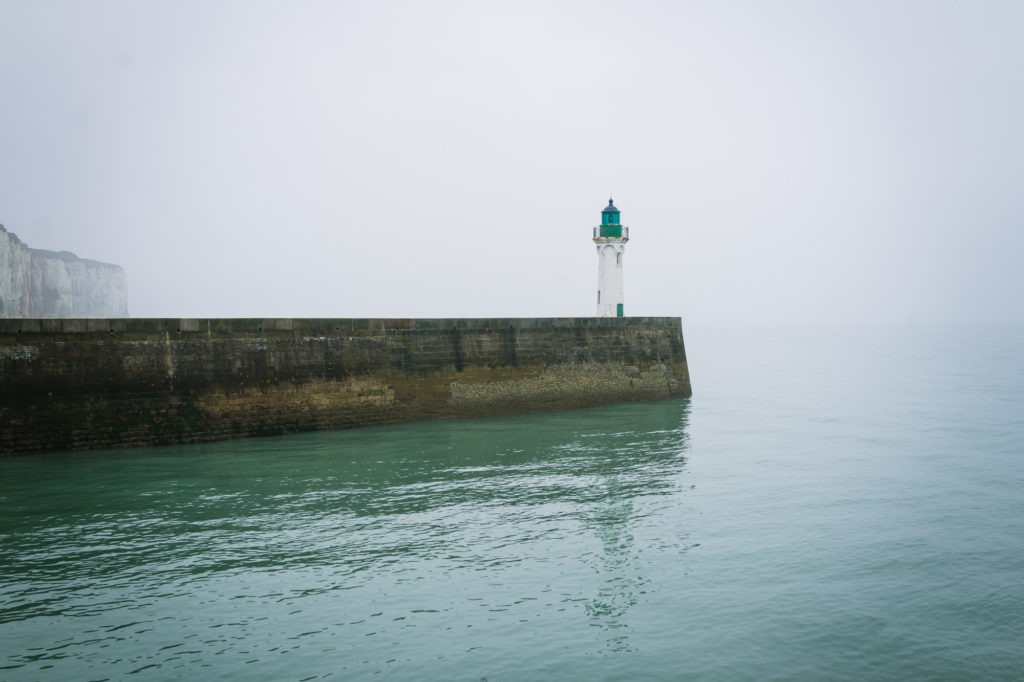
{"x":93,"y":383}
{"x":40,"y":283}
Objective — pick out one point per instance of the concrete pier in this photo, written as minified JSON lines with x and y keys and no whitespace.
{"x":74,"y":384}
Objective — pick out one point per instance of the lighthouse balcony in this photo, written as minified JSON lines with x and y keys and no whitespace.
{"x":613,"y":231}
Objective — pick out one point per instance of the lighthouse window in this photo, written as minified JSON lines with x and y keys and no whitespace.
{"x":618,"y":258}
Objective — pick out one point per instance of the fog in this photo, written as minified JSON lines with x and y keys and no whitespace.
{"x":786,"y":161}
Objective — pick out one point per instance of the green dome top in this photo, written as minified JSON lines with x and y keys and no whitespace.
{"x":610,"y":208}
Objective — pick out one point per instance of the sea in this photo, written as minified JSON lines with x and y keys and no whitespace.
{"x":833,"y":503}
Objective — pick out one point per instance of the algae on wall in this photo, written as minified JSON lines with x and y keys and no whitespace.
{"x":40,"y":283}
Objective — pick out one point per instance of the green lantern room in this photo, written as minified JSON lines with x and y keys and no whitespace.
{"x":610,"y":224}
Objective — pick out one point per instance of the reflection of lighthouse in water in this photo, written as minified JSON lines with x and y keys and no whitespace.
{"x":622,"y":582}
{"x":628,"y":497}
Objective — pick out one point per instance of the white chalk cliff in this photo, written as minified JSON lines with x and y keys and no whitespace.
{"x":39,"y":283}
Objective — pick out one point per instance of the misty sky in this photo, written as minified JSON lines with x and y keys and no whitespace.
{"x":774,"y":160}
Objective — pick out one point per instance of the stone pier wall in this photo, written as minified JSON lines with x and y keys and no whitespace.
{"x":74,"y":384}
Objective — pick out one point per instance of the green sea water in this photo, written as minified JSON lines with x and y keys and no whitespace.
{"x":842,"y":504}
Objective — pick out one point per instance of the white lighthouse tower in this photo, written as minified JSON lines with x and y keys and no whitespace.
{"x":610,"y":239}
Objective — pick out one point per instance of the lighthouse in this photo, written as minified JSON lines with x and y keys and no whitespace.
{"x":610,"y":238}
